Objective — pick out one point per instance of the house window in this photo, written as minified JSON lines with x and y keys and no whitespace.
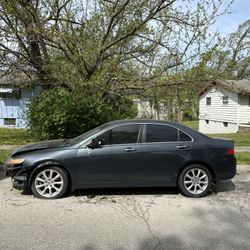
{"x":208,"y":101}
{"x":225,"y":124}
{"x":9,"y":121}
{"x":207,"y":121}
{"x":11,"y":95}
{"x":225,"y":99}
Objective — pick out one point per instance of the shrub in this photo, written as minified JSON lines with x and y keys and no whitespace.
{"x":60,"y":113}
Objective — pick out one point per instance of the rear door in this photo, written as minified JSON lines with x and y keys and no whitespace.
{"x":165,"y":149}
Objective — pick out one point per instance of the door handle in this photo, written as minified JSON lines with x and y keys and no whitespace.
{"x":181,"y":146}
{"x":130,"y":149}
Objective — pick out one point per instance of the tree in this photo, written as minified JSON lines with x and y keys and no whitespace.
{"x":229,"y":58}
{"x":101,"y":43}
{"x":239,"y":46}
{"x":60,"y":113}
{"x":111,"y":47}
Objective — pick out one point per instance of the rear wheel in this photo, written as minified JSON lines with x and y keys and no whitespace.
{"x":50,"y":183}
{"x":195,"y":181}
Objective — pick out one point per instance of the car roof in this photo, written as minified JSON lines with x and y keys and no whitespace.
{"x":128,"y":121}
{"x":141,"y":121}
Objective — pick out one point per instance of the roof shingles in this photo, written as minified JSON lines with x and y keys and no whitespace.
{"x":239,"y":86}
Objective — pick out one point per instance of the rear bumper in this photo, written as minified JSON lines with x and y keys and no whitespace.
{"x":226,"y":169}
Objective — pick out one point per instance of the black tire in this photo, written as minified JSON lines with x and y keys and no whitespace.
{"x":52,"y":187}
{"x":195,"y":186}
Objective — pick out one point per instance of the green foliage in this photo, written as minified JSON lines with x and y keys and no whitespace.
{"x":60,"y":113}
{"x":229,"y":58}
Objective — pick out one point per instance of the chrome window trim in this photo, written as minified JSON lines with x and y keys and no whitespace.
{"x":143,"y":130}
{"x":125,"y":144}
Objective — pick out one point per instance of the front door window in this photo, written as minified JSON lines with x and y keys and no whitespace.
{"x":125,"y":134}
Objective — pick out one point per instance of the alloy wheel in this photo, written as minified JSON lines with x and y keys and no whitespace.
{"x":49,"y":183}
{"x":196,"y":181}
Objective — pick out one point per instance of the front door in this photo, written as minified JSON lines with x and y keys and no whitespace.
{"x":115,"y":162}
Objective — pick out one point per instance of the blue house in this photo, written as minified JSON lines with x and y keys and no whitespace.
{"x":14,"y":97}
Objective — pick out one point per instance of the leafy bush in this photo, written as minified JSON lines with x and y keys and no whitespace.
{"x":60,"y":113}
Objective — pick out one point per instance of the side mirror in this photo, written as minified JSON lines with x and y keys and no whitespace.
{"x":94,"y":144}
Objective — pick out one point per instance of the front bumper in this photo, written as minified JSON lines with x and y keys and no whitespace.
{"x":18,"y":177}
{"x":20,"y":182}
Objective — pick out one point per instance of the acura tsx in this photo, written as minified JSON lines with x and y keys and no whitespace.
{"x":125,"y":153}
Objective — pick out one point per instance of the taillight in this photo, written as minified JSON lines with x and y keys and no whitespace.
{"x":230,"y":151}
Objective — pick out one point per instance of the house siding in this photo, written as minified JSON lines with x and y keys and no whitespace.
{"x":16,"y":108}
{"x":217,"y":114}
{"x":12,"y":108}
{"x":244,"y":109}
{"x":215,"y":127}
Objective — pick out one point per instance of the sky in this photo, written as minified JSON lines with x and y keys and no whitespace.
{"x":240,"y":12}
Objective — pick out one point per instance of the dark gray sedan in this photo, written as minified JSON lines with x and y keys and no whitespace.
{"x":126,"y":153}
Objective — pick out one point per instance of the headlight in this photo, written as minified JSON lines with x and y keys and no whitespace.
{"x":15,"y":161}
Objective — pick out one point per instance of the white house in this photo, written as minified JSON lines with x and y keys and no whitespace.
{"x":225,"y":107}
{"x":147,"y":110}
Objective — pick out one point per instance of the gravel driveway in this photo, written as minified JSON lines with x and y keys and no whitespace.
{"x":141,"y":219}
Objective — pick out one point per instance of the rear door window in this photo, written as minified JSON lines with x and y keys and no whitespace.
{"x":184,"y":137}
{"x":165,"y":133}
{"x":161,"y":133}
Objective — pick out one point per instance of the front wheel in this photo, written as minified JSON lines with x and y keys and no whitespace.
{"x":50,"y":183}
{"x":195,"y":181}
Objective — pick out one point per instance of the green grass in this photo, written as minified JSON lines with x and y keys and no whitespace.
{"x":243,"y":158}
{"x":4,"y":154}
{"x":192,"y":124}
{"x":12,"y":136}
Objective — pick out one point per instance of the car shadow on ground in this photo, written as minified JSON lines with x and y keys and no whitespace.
{"x":226,"y":186}
{"x":101,"y":192}
{"x":91,"y":193}
{"x":223,"y":186}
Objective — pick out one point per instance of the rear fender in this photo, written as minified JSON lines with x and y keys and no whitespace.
{"x":209,"y":167}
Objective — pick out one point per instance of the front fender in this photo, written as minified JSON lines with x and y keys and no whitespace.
{"x":42,"y":165}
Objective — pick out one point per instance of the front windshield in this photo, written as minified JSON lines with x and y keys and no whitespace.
{"x":86,"y":135}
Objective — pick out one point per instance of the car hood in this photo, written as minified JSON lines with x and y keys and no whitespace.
{"x":38,"y":146}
